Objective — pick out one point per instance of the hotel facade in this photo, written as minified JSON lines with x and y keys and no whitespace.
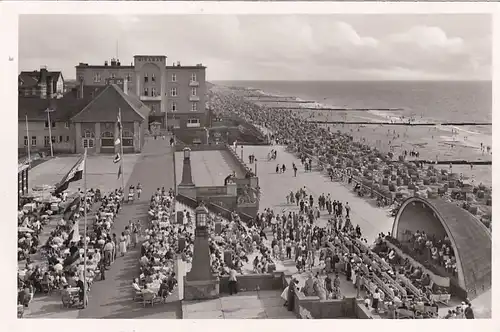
{"x":175,"y":94}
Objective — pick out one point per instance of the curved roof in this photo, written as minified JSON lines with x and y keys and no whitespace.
{"x":471,"y":240}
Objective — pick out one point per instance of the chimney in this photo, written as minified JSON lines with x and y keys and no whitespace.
{"x":125,"y":86}
{"x":105,"y":63}
{"x":80,"y":89}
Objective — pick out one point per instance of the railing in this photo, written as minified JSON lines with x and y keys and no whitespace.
{"x":194,"y":83}
{"x":194,"y":98}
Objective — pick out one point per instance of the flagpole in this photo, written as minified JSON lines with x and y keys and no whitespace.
{"x":121,"y":148}
{"x":28,"y":136}
{"x":85,"y":229}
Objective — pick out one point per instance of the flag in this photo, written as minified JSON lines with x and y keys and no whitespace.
{"x":74,"y":234}
{"x":119,"y":120}
{"x":120,"y":171}
{"x":72,"y":208}
{"x":74,"y":174}
{"x":117,"y":158}
{"x":117,"y":142}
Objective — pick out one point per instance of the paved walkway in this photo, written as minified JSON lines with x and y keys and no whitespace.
{"x":275,"y":187}
{"x":112,"y":298}
{"x":244,"y":305}
{"x":101,"y":172}
{"x":208,"y":168}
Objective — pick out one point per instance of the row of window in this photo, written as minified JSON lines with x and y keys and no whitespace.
{"x":152,"y":92}
{"x":147,"y":78}
{"x":106,"y":142}
{"x":173,"y":107}
{"x":53,"y":124}
{"x":46,"y":140}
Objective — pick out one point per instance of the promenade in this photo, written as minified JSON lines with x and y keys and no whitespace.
{"x":112,"y":297}
{"x":274,"y":188}
{"x":208,"y":168}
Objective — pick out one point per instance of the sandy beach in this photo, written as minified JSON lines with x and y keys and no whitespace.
{"x":432,"y":143}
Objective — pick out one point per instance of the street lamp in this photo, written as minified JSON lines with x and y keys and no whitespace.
{"x":201,"y":216}
{"x":187,"y":153}
{"x":48,"y":111}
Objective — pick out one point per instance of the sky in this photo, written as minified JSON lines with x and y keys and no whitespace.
{"x":270,"y":47}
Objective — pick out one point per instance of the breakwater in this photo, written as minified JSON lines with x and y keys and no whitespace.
{"x":333,"y":109}
{"x":403,"y":123}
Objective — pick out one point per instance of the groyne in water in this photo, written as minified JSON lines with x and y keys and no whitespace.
{"x":334,"y":108}
{"x":454,"y":162}
{"x":404,"y":123}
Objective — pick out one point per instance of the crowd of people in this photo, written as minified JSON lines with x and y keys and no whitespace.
{"x":60,"y":264}
{"x":393,"y":284}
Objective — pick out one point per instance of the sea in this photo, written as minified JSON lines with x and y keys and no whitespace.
{"x":426,"y":100}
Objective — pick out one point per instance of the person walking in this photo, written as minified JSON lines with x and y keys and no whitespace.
{"x":233,"y":282}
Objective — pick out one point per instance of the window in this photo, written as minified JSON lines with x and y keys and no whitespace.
{"x":129,"y":78}
{"x":46,"y":141}
{"x":173,"y":107}
{"x":88,"y":139}
{"x":145,"y":78}
{"x":153,"y":108}
{"x":66,"y":125}
{"x":25,"y":140}
{"x":173,"y":92}
{"x":67,"y":138}
{"x":33,"y":140}
{"x":174,"y":78}
{"x":113,"y":75}
{"x":97,"y":77}
{"x":107,"y":139}
{"x":153,"y":92}
{"x":194,"y":106}
{"x":193,"y":77}
{"x":88,"y":142}
{"x":193,"y":123}
{"x":60,"y":139}
{"x":193,"y":91}
{"x":52,"y":124}
{"x":153,"y":79}
{"x":53,"y":139}
{"x":146,"y":92}
{"x":128,"y":138}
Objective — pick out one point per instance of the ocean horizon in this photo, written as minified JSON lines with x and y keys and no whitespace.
{"x":429,"y":100}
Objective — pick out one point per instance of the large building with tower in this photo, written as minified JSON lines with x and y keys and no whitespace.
{"x":175,"y":94}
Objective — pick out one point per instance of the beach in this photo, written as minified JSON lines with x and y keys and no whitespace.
{"x":433,"y":143}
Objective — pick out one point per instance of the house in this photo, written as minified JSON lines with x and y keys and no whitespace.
{"x":41,"y":83}
{"x":84,"y":117}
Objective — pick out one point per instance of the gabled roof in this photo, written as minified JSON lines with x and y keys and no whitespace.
{"x":28,"y":81}
{"x":104,"y":107}
{"x":64,"y":108}
{"x":32,"y":78}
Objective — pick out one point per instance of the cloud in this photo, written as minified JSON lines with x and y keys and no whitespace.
{"x":272,"y":46}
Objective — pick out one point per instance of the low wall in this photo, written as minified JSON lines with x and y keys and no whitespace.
{"x":438,"y":280}
{"x":251,"y":282}
{"x":201,"y":147}
{"x":324,"y":309}
{"x":209,"y":191}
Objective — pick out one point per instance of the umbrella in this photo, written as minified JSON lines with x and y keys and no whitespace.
{"x":58,"y":267}
{"x":25,"y":230}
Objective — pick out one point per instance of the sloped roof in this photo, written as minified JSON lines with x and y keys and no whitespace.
{"x":28,"y":81}
{"x":104,"y":107}
{"x":32,"y":78}
{"x":64,"y":108}
{"x":471,"y":238}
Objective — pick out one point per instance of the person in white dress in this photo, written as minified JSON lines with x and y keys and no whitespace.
{"x":123,"y":244}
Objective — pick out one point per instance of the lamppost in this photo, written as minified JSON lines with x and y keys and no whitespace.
{"x":48,"y":111}
{"x":200,"y":282}
{"x":255,"y":162}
